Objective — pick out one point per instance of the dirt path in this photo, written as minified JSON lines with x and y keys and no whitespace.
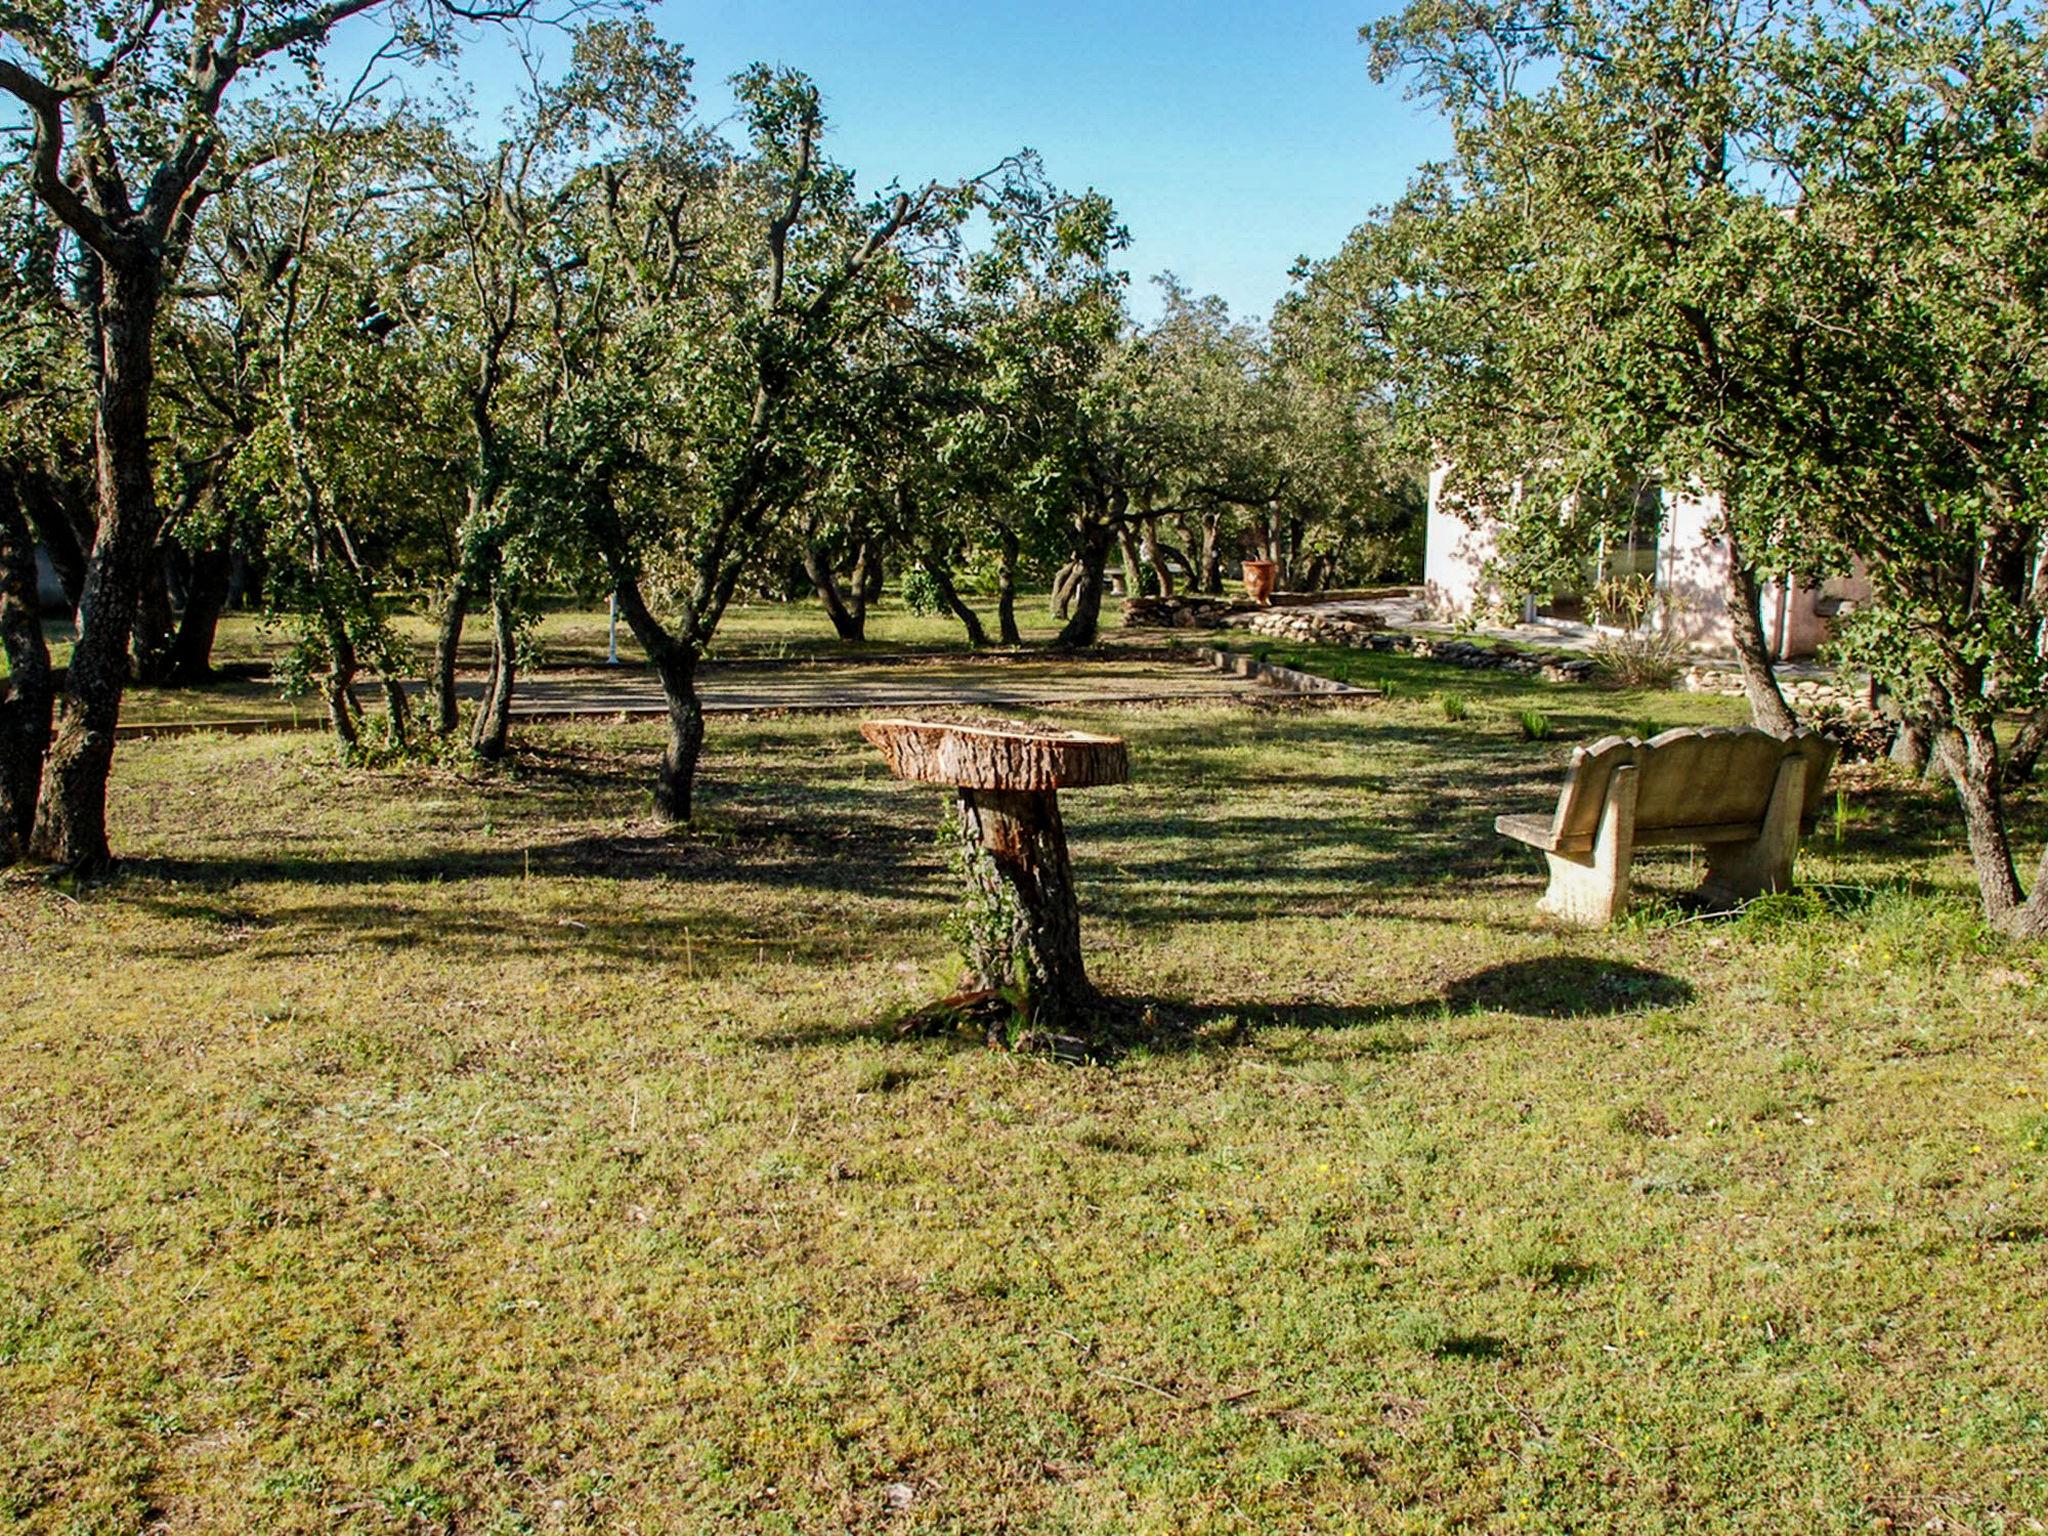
{"x":837,"y":685}
{"x":880,"y":684}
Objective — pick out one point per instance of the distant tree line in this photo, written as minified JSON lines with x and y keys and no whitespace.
{"x":311,"y":342}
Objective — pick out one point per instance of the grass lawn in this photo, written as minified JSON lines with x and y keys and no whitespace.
{"x":415,"y":1151}
{"x":569,"y":637}
{"x":573,"y":635}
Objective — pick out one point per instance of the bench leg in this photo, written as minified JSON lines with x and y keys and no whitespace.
{"x":1590,"y":890}
{"x":1738,"y":871}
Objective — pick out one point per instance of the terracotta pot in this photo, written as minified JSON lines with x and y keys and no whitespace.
{"x":1260,"y":577}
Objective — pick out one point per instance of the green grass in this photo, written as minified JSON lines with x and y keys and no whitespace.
{"x":570,"y":634}
{"x":568,"y":638}
{"x":419,"y":1152}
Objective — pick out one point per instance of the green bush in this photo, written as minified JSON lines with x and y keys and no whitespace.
{"x":921,"y":593}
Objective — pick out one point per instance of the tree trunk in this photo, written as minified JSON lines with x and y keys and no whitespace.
{"x":1911,"y":748}
{"x":71,"y":813}
{"x":936,"y":567}
{"x":1006,"y":590}
{"x":872,"y":577}
{"x":59,"y":508}
{"x":447,"y":652}
{"x":338,"y":688}
{"x":26,"y":703}
{"x":493,"y":729}
{"x":1085,"y":621}
{"x":156,"y":626}
{"x":1018,"y":862}
{"x":849,"y":622}
{"x":1149,"y":547}
{"x":2025,"y":752}
{"x":1969,"y":752}
{"x":1176,"y":559}
{"x":1065,"y":581}
{"x":1134,"y":582}
{"x":1767,"y":706}
{"x":397,"y":710}
{"x":206,"y":595}
{"x":676,"y":785}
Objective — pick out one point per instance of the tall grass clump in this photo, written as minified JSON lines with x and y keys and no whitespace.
{"x":1632,"y":651}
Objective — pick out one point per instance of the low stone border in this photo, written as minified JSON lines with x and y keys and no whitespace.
{"x":1244,"y":665}
{"x":1848,"y":696}
{"x":1368,"y":635}
{"x":1838,"y":707}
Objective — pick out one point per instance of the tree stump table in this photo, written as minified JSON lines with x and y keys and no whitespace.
{"x":1028,"y":923}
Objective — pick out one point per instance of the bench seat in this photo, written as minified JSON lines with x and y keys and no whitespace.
{"x":1539,"y":832}
{"x":1743,"y":795}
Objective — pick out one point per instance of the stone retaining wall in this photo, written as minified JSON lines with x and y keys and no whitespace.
{"x":1836,"y":705}
{"x":1369,"y":635}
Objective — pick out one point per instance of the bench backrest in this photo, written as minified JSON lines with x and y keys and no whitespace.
{"x":1710,"y":778}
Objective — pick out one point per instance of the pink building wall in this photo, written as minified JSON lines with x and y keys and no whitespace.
{"x":1692,"y":568}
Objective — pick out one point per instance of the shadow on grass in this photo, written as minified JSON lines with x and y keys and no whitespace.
{"x":1309,"y":813}
{"x":1560,"y":987}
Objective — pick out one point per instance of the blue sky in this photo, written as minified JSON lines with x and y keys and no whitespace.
{"x":1233,"y":137}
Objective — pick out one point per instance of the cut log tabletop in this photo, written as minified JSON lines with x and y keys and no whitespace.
{"x":981,"y":757}
{"x":1027,"y":925}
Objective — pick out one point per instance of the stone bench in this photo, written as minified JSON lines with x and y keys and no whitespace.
{"x":1742,"y":795}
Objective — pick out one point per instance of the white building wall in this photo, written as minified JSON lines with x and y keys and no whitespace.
{"x":1455,"y":557}
{"x":1692,"y":570}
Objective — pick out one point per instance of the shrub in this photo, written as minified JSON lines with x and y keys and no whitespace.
{"x":921,"y":593}
{"x":1535,"y":725}
{"x":1634,"y":653}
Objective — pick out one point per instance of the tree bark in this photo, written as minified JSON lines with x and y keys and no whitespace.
{"x":1767,"y":706}
{"x":1969,"y":753}
{"x":1134,"y":580}
{"x":675,"y":787}
{"x":1911,"y":748}
{"x":492,"y":732}
{"x":155,"y":632}
{"x":447,"y":652}
{"x":2024,"y":754}
{"x":937,"y":568}
{"x":1084,"y":623}
{"x":206,"y":595}
{"x":71,"y":814}
{"x":1006,"y":589}
{"x":1065,"y":581}
{"x":25,"y":706}
{"x":849,"y":620}
{"x":1149,"y":546}
{"x":338,"y":687}
{"x":58,"y":506}
{"x":397,"y":709}
{"x":1212,"y":554}
{"x":1017,"y":863}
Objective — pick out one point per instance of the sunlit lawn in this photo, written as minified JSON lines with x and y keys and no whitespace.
{"x":568,"y":634}
{"x":414,"y":1151}
{"x":568,"y":637}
